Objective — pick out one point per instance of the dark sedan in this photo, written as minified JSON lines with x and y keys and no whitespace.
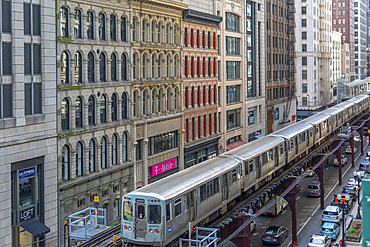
{"x":275,"y":235}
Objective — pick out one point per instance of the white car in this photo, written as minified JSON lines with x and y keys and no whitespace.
{"x":253,"y":226}
{"x":359,"y":173}
{"x":349,"y":149}
{"x":318,"y":240}
{"x":310,"y":173}
{"x":343,"y":159}
{"x":354,"y":182}
{"x":332,"y":214}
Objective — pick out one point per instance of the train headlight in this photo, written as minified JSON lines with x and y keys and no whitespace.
{"x":151,"y":230}
{"x":129,"y":228}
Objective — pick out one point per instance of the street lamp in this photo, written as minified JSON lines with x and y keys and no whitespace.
{"x":342,"y":205}
{"x":358,"y":216}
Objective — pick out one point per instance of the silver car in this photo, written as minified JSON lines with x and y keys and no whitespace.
{"x":313,"y":189}
{"x":332,"y":214}
{"x":319,"y":241}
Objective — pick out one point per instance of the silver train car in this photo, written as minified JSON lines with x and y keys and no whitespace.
{"x":160,"y":212}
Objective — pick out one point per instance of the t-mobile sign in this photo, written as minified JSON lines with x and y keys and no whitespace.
{"x":163,"y":167}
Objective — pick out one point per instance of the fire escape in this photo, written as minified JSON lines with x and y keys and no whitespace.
{"x":291,"y":58}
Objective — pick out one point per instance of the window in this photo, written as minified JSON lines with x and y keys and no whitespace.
{"x":344,"y":30}
{"x":90,"y":25}
{"x":143,"y":64}
{"x":78,"y":67}
{"x":343,"y":12}
{"x":304,"y":23}
{"x":65,"y":163}
{"x":91,"y":67}
{"x":153,"y":66}
{"x":33,"y":99}
{"x":168,"y":99}
{"x":159,"y":100}
{"x":113,"y":70}
{"x":79,"y":160}
{"x":124,"y":147}
{"x":203,"y":192}
{"x":134,"y":104}
{"x":163,"y":142}
{"x":102,"y":68}
{"x":167,"y":33}
{"x":64,"y":67}
{"x":233,"y":69}
{"x":334,"y":22}
{"x":344,"y":21}
{"x":77,"y":24}
{"x":232,"y":46}
{"x":134,"y":66}
{"x":78,"y":112}
{"x":101,"y":26}
{"x":175,"y":67}
{"x":304,"y":47}
{"x":134,"y":29}
{"x":145,"y":93}
{"x":233,"y":94}
{"x":143,"y":39}
{"x":64,"y":113}
{"x":103,"y":153}
{"x":178,"y":207}
{"x":334,"y":13}
{"x":304,"y":101}
{"x":252,"y":115}
{"x":123,"y":29}
{"x":26,"y":17}
{"x":124,"y":106}
{"x":175,"y":98}
{"x":154,"y":214}
{"x":233,"y":118}
{"x":304,"y":74}
{"x":304,"y":88}
{"x":209,"y":189}
{"x":103,"y":109}
{"x":114,"y":108}
{"x":304,"y":60}
{"x":127,"y":211}
{"x":64,"y":25}
{"x":91,"y":111}
{"x":152,"y":31}
{"x":168,"y":66}
{"x":232,"y":22}
{"x":112,"y":27}
{"x":92,"y":155}
{"x":124,"y":67}
{"x":159,"y":67}
{"x":138,"y":150}
{"x":159,"y":33}
{"x":175,"y":34}
{"x":303,"y":10}
{"x":304,"y":35}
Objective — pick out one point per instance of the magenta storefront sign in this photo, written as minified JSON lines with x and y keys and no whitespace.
{"x":163,"y":167}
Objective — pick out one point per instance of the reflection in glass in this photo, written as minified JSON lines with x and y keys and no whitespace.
{"x":26,"y":193}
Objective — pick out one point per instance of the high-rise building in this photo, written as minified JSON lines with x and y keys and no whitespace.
{"x":280,"y":68}
{"x":345,"y":60}
{"x":313,"y":49}
{"x":337,"y":59}
{"x":360,"y":33}
{"x":28,"y":123}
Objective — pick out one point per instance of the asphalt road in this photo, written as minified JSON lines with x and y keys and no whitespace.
{"x":308,"y":208}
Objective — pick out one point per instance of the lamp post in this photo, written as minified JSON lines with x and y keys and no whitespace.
{"x":342,"y":205}
{"x":358,"y":216}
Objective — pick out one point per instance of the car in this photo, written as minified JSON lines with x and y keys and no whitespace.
{"x":318,"y":240}
{"x":253,"y":226}
{"x":313,"y":188}
{"x":364,"y":166}
{"x":351,"y":190}
{"x":349,"y":149}
{"x":343,"y":159}
{"x":331,"y":230}
{"x":368,"y":154}
{"x":332,"y":214}
{"x":275,"y":235}
{"x":367,"y":159}
{"x":310,"y":173}
{"x":354,"y":183}
{"x":359,"y":174}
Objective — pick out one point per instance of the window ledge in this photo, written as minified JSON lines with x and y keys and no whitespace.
{"x":163,"y":153}
{"x":235,"y":128}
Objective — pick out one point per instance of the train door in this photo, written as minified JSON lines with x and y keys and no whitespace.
{"x":225,"y":187}
{"x":276,"y":156}
{"x":258,"y":167}
{"x":308,"y":138}
{"x":190,"y":205}
{"x":140,"y":221}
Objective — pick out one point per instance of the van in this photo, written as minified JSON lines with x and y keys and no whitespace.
{"x":313,"y":189}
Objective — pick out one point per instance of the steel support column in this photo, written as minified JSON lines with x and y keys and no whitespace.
{"x":361,"y":132}
{"x":244,"y":237}
{"x":352,"y":149}
{"x":319,"y":159}
{"x":291,"y":199}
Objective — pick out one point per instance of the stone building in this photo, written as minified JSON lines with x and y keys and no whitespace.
{"x":95,"y":133}
{"x":28,"y":124}
{"x":345,"y":60}
{"x":200,"y":85}
{"x":337,"y":60}
{"x":156,"y":93}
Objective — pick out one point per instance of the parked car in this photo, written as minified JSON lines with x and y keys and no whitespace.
{"x":351,"y":190}
{"x":253,"y":226}
{"x":354,"y":183}
{"x":319,"y":241}
{"x":275,"y":235}
{"x":332,"y":214}
{"x":343,"y":159}
{"x":349,"y":149}
{"x":331,"y":230}
{"x":310,"y":173}
{"x":358,"y":173}
{"x":367,"y":159}
{"x":368,"y":154}
{"x":313,"y":188}
{"x":365,"y":167}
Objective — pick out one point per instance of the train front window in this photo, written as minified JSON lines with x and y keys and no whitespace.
{"x":140,"y":212}
{"x":233,"y":175}
{"x":127,"y":211}
{"x":154,"y":214}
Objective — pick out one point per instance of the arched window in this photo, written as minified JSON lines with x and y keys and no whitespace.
{"x":134,"y":66}
{"x":192,"y":37}
{"x":159,"y":32}
{"x":77,"y":24}
{"x":124,"y":147}
{"x":204,"y":39}
{"x":113,"y":67}
{"x":134,"y":29}
{"x":64,"y":23}
{"x":114,"y":150}
{"x":65,"y":114}
{"x":113,"y":27}
{"x":79,"y":160}
{"x":143,"y":64}
{"x":124,"y":67}
{"x":175,"y":66}
{"x":159,"y":100}
{"x":78,"y":112}
{"x":123,"y":29}
{"x":103,"y":153}
{"x":159,"y":67}
{"x":92,"y":155}
{"x":78,"y":67}
{"x":143,"y":31}
{"x":124,"y":106}
{"x":168,"y":66}
{"x":144,"y":102}
{"x":153,"y":101}
{"x":186,"y":37}
{"x":64,"y":67}
{"x":91,"y":67}
{"x":168,"y":103}
{"x":175,"y":98}
{"x":91,"y":111}
{"x":101,"y":26}
{"x":90,"y":25}
{"x":209,"y":95}
{"x":102,"y":67}
{"x":134,"y":105}
{"x":65,"y":163}
{"x":152,"y":31}
{"x":153,"y":66}
{"x":209,"y":40}
{"x":215,"y":94}
{"x":209,"y":66}
{"x":103,"y":109}
{"x":204,"y":67}
{"x":186,"y":66}
{"x":167,"y":33}
{"x":175,"y":34}
{"x":114,"y":108}
{"x":198,"y":67}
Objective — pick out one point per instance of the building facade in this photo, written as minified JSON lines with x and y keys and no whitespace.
{"x":280,"y":69}
{"x":337,"y":60}
{"x":95,"y":130}
{"x":313,"y":49}
{"x":28,"y":124}
{"x":200,"y":86}
{"x":345,"y":63}
{"x":360,"y":33}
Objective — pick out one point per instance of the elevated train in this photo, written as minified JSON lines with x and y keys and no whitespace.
{"x":160,"y":212}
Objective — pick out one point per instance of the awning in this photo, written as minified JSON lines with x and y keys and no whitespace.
{"x":36,"y":228}
{"x":235,"y":145}
{"x":259,"y":136}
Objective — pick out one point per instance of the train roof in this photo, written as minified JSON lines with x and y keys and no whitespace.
{"x":345,"y":104}
{"x":292,"y":130}
{"x":256,"y":147}
{"x":317,"y":118}
{"x":182,"y":181}
{"x":334,"y":110}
